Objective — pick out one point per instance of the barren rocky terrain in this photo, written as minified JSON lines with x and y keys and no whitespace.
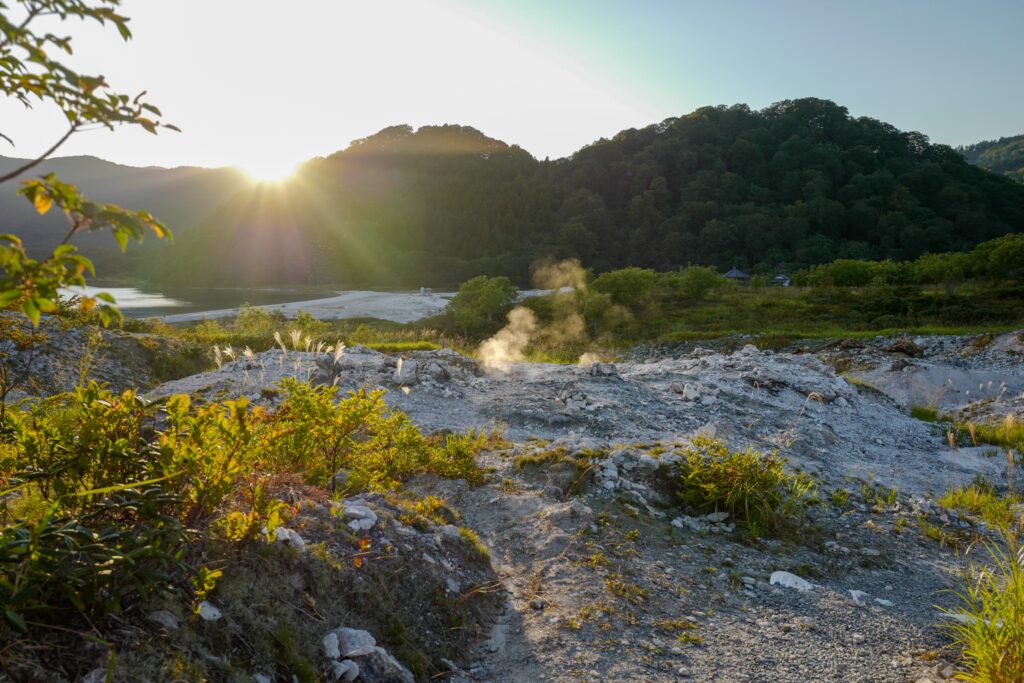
{"x":607,"y":578}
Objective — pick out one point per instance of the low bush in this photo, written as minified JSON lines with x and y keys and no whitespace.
{"x":753,"y":487}
{"x":103,"y":497}
{"x":988,"y":624}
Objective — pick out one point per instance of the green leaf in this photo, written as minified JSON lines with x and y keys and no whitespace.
{"x":15,"y":620}
{"x":103,"y":296}
{"x":31,"y":311}
{"x":7,"y":297}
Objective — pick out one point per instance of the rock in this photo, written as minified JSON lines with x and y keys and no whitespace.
{"x":339,"y":479}
{"x":379,"y":666}
{"x":437,"y":372}
{"x":163,"y":618}
{"x":330,"y":644}
{"x":345,"y":671}
{"x":885,"y":603}
{"x":209,"y":612}
{"x":363,"y":518}
{"x":690,"y":392}
{"x":858,"y":638}
{"x":716,"y":517}
{"x":405,"y":373}
{"x":603,"y":370}
{"x":870,"y":552}
{"x":290,"y":538}
{"x":905,"y":346}
{"x":262,"y":678}
{"x":788,"y":580}
{"x":537,"y":604}
{"x":348,"y":642}
{"x":858,"y":596}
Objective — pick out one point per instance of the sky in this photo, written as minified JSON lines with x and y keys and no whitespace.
{"x":265,"y":84}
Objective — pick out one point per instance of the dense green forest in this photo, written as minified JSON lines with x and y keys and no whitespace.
{"x":1005,"y":155}
{"x":798,"y":183}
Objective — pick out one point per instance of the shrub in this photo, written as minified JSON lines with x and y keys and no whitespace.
{"x":988,"y":625}
{"x":751,"y":486}
{"x":103,"y":492}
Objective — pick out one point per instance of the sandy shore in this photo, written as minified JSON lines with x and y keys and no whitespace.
{"x":401,"y":307}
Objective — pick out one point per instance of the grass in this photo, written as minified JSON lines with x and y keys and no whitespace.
{"x":753,"y":487}
{"x":925,"y":413}
{"x":987,"y":627}
{"x":980,"y":500}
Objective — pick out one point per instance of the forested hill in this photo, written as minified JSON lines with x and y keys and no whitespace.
{"x":1005,"y":155}
{"x":178,"y":196}
{"x":797,"y":183}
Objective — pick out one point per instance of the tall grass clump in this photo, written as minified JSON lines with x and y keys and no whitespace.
{"x":753,"y":487}
{"x":981,"y":500}
{"x":988,"y":624}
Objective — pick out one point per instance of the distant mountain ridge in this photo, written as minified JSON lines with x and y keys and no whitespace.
{"x":177,"y":196}
{"x":797,"y":183}
{"x":1005,"y":155}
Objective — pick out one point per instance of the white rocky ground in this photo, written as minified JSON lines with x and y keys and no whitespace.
{"x":604,"y":585}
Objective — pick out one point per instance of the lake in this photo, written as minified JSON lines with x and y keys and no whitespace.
{"x":140,"y":303}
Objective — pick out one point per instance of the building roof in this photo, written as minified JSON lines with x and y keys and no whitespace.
{"x":737,"y":274}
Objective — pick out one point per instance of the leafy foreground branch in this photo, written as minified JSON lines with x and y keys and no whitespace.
{"x":108,"y":503}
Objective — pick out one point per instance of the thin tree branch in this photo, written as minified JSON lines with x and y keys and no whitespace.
{"x":35,"y":162}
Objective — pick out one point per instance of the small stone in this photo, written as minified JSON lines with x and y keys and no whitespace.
{"x":290,"y":538}
{"x":209,"y":612}
{"x":262,"y":678}
{"x":537,"y":604}
{"x":885,"y":603}
{"x":858,"y":596}
{"x":788,"y":580}
{"x":163,"y":618}
{"x":716,"y":517}
{"x":350,"y":642}
{"x":858,"y":638}
{"x":345,"y":671}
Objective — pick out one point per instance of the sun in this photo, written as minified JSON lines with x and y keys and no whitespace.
{"x":268,"y":170}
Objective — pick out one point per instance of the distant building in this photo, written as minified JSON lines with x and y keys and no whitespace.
{"x":737,"y":275}
{"x":780,"y":281}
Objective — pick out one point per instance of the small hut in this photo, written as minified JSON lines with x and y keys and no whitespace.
{"x":737,"y":275}
{"x":780,"y":281}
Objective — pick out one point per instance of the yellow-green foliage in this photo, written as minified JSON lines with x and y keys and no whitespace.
{"x":988,"y":625}
{"x":751,"y":486}
{"x":981,"y":500}
{"x":103,"y":492}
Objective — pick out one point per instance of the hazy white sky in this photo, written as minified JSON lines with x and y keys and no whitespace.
{"x":265,"y":84}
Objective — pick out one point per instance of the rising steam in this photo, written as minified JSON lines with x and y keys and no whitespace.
{"x":506,"y":347}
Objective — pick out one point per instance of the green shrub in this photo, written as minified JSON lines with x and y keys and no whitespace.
{"x":751,"y":486}
{"x":988,"y":625}
{"x":99,"y":489}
